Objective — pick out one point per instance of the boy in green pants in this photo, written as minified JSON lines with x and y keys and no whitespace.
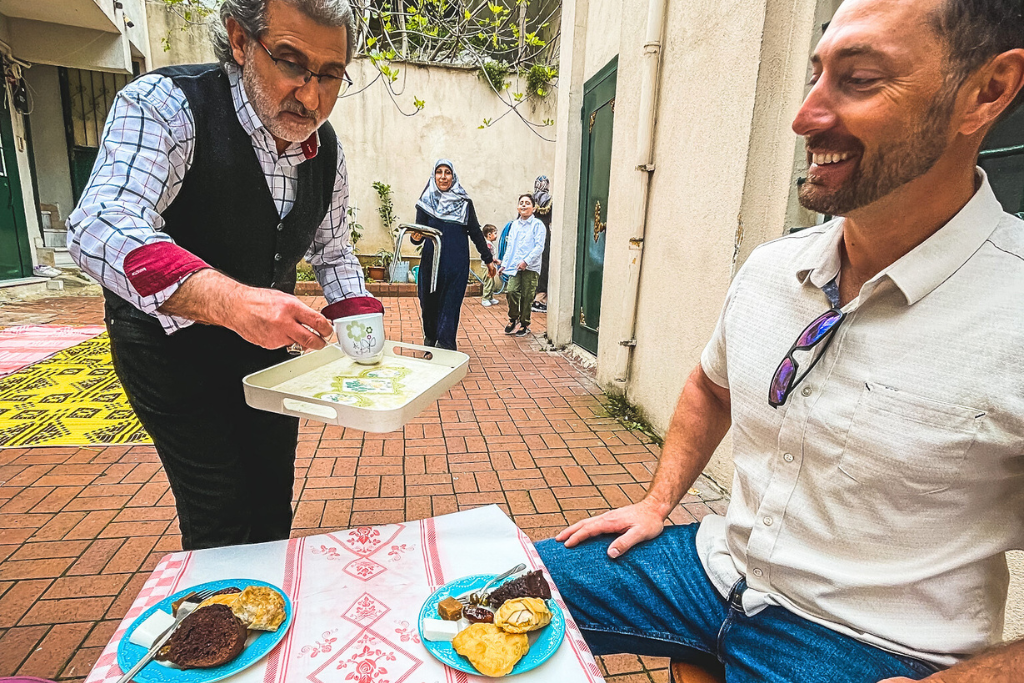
{"x":489,"y":283}
{"x":522,"y":262}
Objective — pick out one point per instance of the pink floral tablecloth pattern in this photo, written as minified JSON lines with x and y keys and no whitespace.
{"x":356,"y":595}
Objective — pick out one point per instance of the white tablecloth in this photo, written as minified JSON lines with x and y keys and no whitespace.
{"x":356,"y":595}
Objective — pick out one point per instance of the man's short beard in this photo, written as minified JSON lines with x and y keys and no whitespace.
{"x":908,"y":156}
{"x":267,"y":110}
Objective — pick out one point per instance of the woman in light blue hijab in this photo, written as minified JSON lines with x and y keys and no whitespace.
{"x":444,"y":205}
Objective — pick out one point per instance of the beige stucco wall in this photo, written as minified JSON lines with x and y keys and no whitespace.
{"x":723,"y":151}
{"x":604,"y":19}
{"x":565,"y":180}
{"x":189,"y":44}
{"x":494,"y":164}
{"x":724,"y":159}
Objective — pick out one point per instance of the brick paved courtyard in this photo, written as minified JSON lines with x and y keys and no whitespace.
{"x":81,"y":528}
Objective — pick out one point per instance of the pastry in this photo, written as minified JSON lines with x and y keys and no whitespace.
{"x":206,"y":638}
{"x":531,"y":585}
{"x":478,"y":615}
{"x":520,"y":615}
{"x":260,"y":608}
{"x":220,"y":599}
{"x":223,"y":591}
{"x":449,"y":609}
{"x":490,"y":650}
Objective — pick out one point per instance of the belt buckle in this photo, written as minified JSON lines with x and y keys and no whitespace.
{"x":736,"y":594}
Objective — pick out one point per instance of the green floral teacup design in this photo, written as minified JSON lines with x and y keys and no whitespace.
{"x":361,"y":337}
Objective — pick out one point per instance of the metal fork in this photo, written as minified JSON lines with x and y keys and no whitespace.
{"x":480,"y":597}
{"x":184,"y":609}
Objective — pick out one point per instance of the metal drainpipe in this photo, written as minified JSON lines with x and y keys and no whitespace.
{"x":645,"y":150}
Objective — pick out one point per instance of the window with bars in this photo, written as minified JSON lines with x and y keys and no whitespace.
{"x":87,"y":97}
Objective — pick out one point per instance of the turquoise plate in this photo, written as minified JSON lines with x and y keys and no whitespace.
{"x":542,"y":646}
{"x":128,"y":654}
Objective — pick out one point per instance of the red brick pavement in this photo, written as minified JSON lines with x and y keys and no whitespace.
{"x":81,"y":528}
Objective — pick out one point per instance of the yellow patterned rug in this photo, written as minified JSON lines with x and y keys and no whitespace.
{"x":72,"y":398}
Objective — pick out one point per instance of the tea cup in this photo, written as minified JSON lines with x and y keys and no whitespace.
{"x":361,"y":337}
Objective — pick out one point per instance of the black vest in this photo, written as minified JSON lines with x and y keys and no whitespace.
{"x":224,"y":212}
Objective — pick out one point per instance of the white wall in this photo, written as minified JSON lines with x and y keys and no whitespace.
{"x":604,"y":22}
{"x":188,"y":44}
{"x":40,"y":42}
{"x":494,"y":164}
{"x":49,"y":141}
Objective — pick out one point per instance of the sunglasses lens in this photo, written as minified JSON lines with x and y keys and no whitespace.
{"x":818,"y":329}
{"x":780,"y":383}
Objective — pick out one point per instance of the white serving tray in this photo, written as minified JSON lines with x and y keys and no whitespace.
{"x":328,"y":386}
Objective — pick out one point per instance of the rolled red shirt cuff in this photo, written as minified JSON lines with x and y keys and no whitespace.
{"x":156,"y":266}
{"x":357,"y":305}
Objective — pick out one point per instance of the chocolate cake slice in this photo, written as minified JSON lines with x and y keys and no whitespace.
{"x":531,"y":585}
{"x":208,"y":637}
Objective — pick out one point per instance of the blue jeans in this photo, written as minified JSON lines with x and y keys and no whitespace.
{"x":656,"y":600}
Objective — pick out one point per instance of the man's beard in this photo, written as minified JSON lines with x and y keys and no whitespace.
{"x":268,"y":111}
{"x":907,"y":156}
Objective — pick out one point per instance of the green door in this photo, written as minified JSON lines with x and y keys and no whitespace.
{"x":15,"y":257}
{"x":595,"y":171}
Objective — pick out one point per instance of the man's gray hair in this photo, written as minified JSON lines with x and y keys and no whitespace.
{"x":251,"y":15}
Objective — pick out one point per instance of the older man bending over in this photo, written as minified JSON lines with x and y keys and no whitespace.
{"x":212,"y":182}
{"x":879,"y":467}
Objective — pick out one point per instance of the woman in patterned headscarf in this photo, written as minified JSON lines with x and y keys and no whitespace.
{"x":542,"y":200}
{"x":445,"y":205}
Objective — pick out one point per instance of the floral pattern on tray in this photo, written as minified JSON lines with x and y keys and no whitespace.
{"x":393,"y":383}
{"x":355,"y":390}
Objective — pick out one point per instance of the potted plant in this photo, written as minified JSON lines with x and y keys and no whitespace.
{"x":378,"y":270}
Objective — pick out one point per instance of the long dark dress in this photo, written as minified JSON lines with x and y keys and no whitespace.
{"x":442,"y":308}
{"x":544,"y":215}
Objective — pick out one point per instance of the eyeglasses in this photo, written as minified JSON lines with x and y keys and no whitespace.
{"x":785,"y":380}
{"x":296,"y":72}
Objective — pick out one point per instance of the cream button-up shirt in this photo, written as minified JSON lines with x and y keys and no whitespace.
{"x":880,"y":499}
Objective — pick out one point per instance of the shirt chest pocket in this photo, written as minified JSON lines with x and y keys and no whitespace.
{"x":904,"y":443}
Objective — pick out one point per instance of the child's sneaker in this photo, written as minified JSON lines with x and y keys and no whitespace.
{"x":494,"y":301}
{"x":511,"y":327}
{"x":523,"y":331}
{"x":487,"y":302}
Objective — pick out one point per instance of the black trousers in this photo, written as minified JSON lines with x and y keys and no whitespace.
{"x":231,"y":467}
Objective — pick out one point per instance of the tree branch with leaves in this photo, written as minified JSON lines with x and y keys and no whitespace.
{"x":501,"y":38}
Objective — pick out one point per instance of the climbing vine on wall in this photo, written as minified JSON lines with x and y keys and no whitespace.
{"x":501,"y":38}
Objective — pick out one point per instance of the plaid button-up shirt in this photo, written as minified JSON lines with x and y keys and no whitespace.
{"x":146,"y":150}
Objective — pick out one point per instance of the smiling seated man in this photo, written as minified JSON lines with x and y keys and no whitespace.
{"x":879,"y":456}
{"x":211,"y":183}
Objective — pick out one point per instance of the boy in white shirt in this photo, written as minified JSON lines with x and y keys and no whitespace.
{"x":522,"y":262}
